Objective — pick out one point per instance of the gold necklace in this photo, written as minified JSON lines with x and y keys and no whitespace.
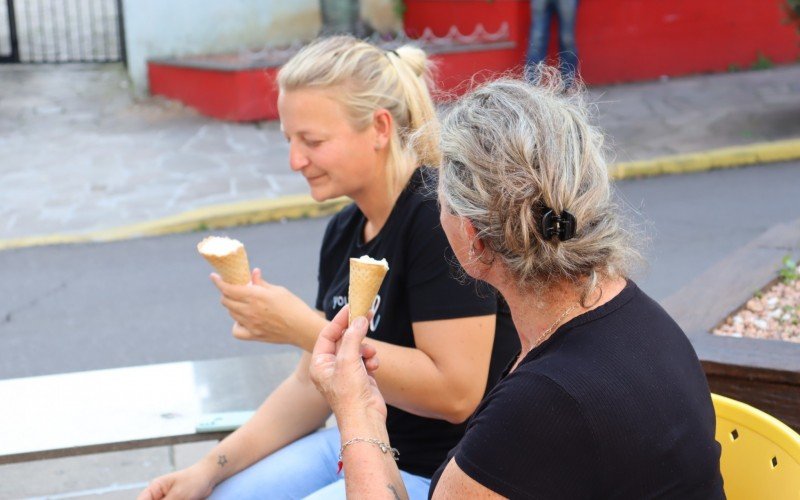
{"x":545,"y":334}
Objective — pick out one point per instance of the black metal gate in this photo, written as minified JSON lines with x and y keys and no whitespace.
{"x":9,"y":51}
{"x":61,"y":31}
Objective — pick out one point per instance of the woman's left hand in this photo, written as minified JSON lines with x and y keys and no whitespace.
{"x":263,"y":311}
{"x":342,"y":366}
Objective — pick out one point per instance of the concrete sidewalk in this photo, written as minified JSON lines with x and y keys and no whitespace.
{"x":82,"y":155}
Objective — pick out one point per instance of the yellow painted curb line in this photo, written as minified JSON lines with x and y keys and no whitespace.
{"x":736,"y":156}
{"x":302,"y":206}
{"x":201,"y":219}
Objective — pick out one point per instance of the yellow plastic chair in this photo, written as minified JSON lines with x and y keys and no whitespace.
{"x":760,"y":454}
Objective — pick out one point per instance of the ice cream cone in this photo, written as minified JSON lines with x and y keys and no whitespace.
{"x":228,"y":257}
{"x":365,"y":281}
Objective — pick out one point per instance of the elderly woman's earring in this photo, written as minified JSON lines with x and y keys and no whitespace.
{"x":480,"y":256}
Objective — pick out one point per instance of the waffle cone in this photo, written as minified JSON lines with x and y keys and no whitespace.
{"x":365,"y":281}
{"x":233,"y":267}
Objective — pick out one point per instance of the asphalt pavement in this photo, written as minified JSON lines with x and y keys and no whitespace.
{"x":93,"y":306}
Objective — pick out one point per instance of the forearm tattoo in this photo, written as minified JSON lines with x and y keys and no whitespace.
{"x":222,"y":460}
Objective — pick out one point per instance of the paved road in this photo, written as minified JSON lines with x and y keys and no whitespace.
{"x":147,"y":301}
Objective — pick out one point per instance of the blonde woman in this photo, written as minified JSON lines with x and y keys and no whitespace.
{"x":607,"y":398}
{"x":348,"y":111}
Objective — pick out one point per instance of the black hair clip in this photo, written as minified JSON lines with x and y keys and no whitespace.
{"x":393,"y":52}
{"x":562,"y":225}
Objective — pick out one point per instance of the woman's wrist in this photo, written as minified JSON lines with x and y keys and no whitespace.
{"x":298,"y":325}
{"x":215,"y":467}
{"x":361,"y":423}
{"x":365,"y":442}
{"x":309,"y":331}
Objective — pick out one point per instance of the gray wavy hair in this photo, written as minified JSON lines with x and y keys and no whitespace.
{"x":510,"y":148}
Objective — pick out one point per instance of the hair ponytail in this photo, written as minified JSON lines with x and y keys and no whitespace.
{"x":369,"y":79}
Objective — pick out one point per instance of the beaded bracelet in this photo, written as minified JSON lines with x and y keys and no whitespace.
{"x":385,"y":448}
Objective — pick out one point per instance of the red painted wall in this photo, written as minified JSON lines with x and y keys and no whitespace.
{"x":455,"y":73}
{"x":245,"y":95}
{"x":618,"y":41}
{"x":628,"y":40}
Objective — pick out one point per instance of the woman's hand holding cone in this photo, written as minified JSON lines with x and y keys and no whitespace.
{"x":342,"y":367}
{"x":266,"y":312}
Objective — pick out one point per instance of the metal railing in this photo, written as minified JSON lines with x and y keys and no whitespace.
{"x":61,"y":31}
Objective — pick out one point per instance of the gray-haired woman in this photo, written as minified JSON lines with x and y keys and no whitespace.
{"x":607,"y":398}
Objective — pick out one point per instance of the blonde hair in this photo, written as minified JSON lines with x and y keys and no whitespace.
{"x":368,"y":78}
{"x":511,"y":148}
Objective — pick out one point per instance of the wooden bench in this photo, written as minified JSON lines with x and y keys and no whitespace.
{"x":108,"y":410}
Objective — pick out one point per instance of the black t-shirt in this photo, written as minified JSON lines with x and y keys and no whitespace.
{"x":613,"y":405}
{"x":420,"y":286}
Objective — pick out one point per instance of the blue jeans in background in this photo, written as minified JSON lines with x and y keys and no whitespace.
{"x":303,"y":469}
{"x":541,"y":13}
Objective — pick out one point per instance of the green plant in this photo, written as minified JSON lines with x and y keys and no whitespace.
{"x":734,"y":68}
{"x":793,"y":6}
{"x":758,"y":294}
{"x":201,"y":227}
{"x":793,"y":11}
{"x":762,"y":62}
{"x":399,"y":7}
{"x":788,"y":271}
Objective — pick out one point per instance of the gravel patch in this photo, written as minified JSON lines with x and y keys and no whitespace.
{"x":773,"y":313}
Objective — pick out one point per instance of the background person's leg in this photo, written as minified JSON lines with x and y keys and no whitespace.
{"x":292,"y":472}
{"x":540,"y":32}
{"x":567,"y":13}
{"x":416,"y":486}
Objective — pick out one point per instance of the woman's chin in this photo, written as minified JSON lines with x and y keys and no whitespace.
{"x":325,"y":191}
{"x":320,"y":195}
